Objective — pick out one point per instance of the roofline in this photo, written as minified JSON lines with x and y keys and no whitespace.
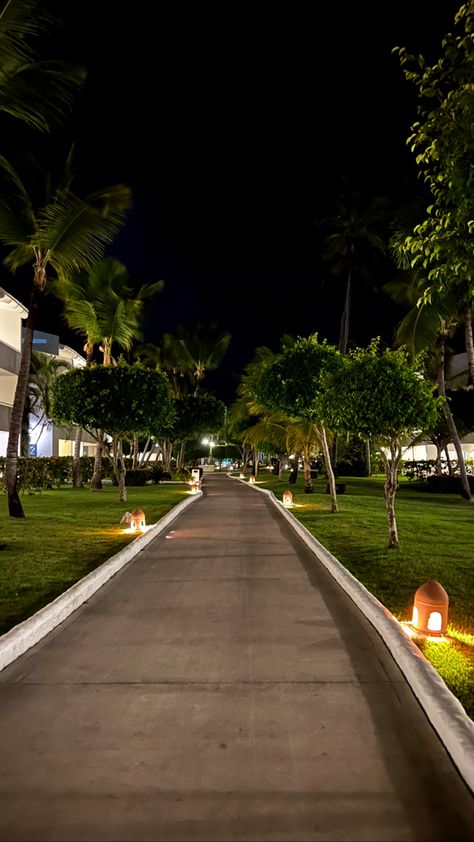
{"x":12,"y":303}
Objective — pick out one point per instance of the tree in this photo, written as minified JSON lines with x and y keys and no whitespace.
{"x":296,"y":383}
{"x":196,"y":349}
{"x":65,"y":234}
{"x":43,"y":373}
{"x":123,"y":400}
{"x":349,"y":247}
{"x":380,"y":395}
{"x":195,"y":415}
{"x":36,"y":92}
{"x":427,"y":327}
{"x":102,"y":306}
{"x":443,"y":141}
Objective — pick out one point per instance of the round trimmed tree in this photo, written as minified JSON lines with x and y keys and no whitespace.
{"x":296,"y":383}
{"x":123,"y":400}
{"x":380,"y":395}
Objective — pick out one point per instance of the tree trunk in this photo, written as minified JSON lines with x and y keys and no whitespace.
{"x":448,"y":462}
{"x":368,"y":459}
{"x":438,"y":466}
{"x":76,"y":460}
{"x":120,"y":469}
{"x":180,"y":458}
{"x":344,"y":329}
{"x":466,"y":491}
{"x":25,"y":429}
{"x":15,"y":508}
{"x":308,"y":482}
{"x":96,"y":481}
{"x":135,"y":453}
{"x":166,"y":449}
{"x":329,"y":471}
{"x":469,"y":342}
{"x":390,"y":489}
{"x":255,"y":463}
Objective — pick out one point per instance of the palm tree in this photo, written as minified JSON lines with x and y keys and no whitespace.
{"x":34,"y":91}
{"x":196,"y":349}
{"x":349,"y":246}
{"x":64,"y":234}
{"x":43,"y":372}
{"x":102,"y":306}
{"x":427,"y":327}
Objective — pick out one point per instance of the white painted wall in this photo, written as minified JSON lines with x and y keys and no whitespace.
{"x":10,"y":327}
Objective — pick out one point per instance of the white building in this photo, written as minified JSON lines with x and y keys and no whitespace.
{"x":11,"y":314}
{"x":47,"y":439}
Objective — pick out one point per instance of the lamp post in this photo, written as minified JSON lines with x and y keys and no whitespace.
{"x":211,"y":444}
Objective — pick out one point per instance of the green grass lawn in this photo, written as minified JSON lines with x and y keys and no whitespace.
{"x":64,"y":536}
{"x":436,"y":542}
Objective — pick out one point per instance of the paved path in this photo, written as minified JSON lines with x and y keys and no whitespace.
{"x":221,"y":687}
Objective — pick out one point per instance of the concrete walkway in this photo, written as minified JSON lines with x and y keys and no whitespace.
{"x":221,"y":687}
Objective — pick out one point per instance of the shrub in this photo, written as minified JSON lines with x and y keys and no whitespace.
{"x":137,"y":476}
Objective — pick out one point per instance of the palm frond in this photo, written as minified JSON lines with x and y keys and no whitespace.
{"x":74,"y":232}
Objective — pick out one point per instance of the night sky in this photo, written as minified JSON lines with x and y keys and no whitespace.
{"x":234,"y":124}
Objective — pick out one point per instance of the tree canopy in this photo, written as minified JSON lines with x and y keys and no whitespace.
{"x":122,"y":400}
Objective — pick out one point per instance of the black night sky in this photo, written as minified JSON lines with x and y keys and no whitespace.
{"x":234,"y":124}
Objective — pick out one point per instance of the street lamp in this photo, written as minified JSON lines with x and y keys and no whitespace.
{"x":211,"y":444}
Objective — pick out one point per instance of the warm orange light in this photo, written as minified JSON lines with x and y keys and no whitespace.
{"x":137,"y":520}
{"x":430,"y":611}
{"x":287,"y":498}
{"x":252,"y":479}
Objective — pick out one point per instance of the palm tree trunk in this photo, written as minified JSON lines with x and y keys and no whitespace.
{"x":135,"y":453}
{"x":466,"y":491}
{"x":180,"y":459}
{"x":255,"y":463}
{"x":344,"y":330}
{"x":15,"y":509}
{"x":96,"y":481}
{"x":329,"y":471}
{"x":469,"y":342}
{"x":308,"y":482}
{"x":76,"y":460}
{"x":25,"y":429}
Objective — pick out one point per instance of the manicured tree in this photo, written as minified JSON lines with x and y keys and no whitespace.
{"x":123,"y":400}
{"x":380,"y":395}
{"x":296,"y":384}
{"x":195,"y":415}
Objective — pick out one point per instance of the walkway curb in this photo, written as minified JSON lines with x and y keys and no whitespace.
{"x":445,"y":713}
{"x":26,"y":634}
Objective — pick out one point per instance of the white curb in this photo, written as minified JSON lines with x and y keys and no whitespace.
{"x":446,"y":713}
{"x":26,"y":634}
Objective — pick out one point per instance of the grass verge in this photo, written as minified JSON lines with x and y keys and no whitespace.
{"x":435,"y":532}
{"x":65,"y":535}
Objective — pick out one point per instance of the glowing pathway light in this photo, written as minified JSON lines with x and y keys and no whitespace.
{"x":287,"y":498}
{"x":137,"y":521}
{"x":430,"y":611}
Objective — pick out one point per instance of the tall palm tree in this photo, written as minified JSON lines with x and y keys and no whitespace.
{"x":353,"y":239}
{"x":62,"y":234}
{"x":101,"y":305}
{"x":36,"y":92}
